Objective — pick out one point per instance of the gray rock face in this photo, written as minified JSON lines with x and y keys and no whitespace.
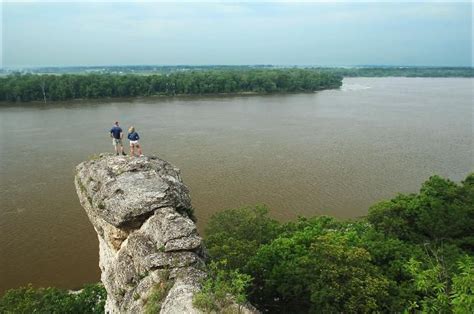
{"x":150,"y":250}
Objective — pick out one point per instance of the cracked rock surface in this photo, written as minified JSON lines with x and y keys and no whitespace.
{"x":139,"y":208}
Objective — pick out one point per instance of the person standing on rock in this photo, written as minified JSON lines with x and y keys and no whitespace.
{"x":116,"y":134}
{"x":134,"y":137}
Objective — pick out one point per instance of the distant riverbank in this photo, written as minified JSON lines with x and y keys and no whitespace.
{"x":194,"y":81}
{"x":401,"y":71}
{"x":347,"y":71}
{"x":32,"y":87}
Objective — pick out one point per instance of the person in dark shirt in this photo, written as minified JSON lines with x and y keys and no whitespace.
{"x":134,"y":137}
{"x":116,"y":135}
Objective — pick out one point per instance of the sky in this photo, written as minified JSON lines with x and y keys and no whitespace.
{"x":44,"y":33}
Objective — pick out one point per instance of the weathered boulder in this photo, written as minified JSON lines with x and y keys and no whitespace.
{"x":149,"y":245}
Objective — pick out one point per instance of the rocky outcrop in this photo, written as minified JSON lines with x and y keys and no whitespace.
{"x":150,"y":251}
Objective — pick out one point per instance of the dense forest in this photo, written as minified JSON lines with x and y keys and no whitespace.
{"x":411,"y":254}
{"x":414,"y":253}
{"x":31,"y":87}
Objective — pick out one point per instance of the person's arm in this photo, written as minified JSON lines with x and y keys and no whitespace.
{"x":138,"y":136}
{"x":111,"y":134}
{"x":121,"y":134}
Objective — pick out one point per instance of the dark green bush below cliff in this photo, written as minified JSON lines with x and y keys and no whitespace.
{"x":91,"y":299}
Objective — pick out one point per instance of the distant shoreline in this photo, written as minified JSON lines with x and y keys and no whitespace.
{"x":155,"y":69}
{"x":33,"y":87}
{"x":208,"y":95}
{"x":163,"y":96}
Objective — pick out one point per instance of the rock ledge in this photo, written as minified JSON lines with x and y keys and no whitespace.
{"x":140,"y":210}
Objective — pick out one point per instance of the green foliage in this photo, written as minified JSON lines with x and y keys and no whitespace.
{"x":158,"y":294}
{"x":462,"y":296}
{"x":52,"y":300}
{"x":413,"y":253}
{"x":221,"y":288}
{"x":317,"y":268}
{"x":406,"y":256}
{"x":443,"y":292}
{"x":91,"y":299}
{"x":235,"y":235}
{"x":402,"y":71}
{"x":32,"y":87}
{"x":442,"y":211}
{"x":432,"y":283}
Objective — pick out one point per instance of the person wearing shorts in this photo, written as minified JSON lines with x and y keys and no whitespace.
{"x":116,"y":135}
{"x":134,"y":145}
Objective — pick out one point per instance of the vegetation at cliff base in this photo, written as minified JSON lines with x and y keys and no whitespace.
{"x":412,"y":253}
{"x":91,"y":299}
{"x":221,"y":289}
{"x":32,"y":87}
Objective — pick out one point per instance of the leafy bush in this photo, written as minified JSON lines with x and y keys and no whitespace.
{"x":235,"y":235}
{"x":319,"y":269}
{"x":91,"y":299}
{"x":221,"y":288}
{"x":442,"y":211}
{"x":441,"y":294}
{"x":28,"y":299}
{"x":462,"y":296}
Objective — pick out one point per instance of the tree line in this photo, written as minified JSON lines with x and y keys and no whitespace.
{"x":31,"y":87}
{"x":401,"y":71}
{"x":360,"y":71}
{"x":411,"y":254}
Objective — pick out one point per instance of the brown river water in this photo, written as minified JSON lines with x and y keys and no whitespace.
{"x":334,"y":152}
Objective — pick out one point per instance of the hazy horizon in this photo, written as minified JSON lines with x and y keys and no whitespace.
{"x":334,"y":34}
{"x":242,"y":65}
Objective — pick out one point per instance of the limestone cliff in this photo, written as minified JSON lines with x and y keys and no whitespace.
{"x":150,"y":250}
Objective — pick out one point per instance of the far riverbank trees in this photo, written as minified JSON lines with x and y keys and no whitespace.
{"x":31,"y":87}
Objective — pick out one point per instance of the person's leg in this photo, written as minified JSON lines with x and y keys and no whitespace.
{"x":114,"y":142}
{"x":132,"y":152}
{"x":139,"y":149}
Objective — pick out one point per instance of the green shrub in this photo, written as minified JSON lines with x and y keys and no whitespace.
{"x":442,"y":211}
{"x":235,"y":235}
{"x":317,"y":269}
{"x":52,"y":300}
{"x":462,"y":295}
{"x":158,"y":294}
{"x":221,"y":289}
{"x":443,"y":291}
{"x":91,"y":299}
